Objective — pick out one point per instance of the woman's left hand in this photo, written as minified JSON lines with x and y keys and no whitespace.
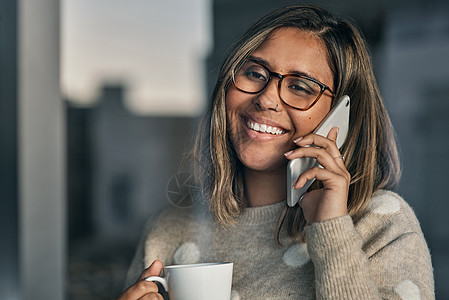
{"x":330,"y":201}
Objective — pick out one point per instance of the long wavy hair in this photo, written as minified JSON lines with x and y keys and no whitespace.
{"x":370,"y":149}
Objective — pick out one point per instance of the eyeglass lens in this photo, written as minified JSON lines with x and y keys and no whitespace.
{"x":294,"y":90}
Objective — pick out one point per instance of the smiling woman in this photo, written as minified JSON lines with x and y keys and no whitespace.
{"x":289,"y":51}
{"x":350,"y":236}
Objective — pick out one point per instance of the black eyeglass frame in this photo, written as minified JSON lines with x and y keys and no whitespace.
{"x":323,"y":87}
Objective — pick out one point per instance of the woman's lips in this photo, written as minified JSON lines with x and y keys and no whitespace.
{"x":262,"y":127}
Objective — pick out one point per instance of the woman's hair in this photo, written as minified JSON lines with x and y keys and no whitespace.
{"x":370,"y":150}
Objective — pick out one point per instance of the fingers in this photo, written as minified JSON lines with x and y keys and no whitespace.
{"x":331,"y":200}
{"x":327,"y":154}
{"x":333,"y":133}
{"x":139,"y":290}
{"x":323,"y":149}
{"x":328,"y":143}
{"x":152,"y":296}
{"x":322,"y":156}
{"x":154,"y":269}
{"x":144,"y":289}
{"x":331,"y":180}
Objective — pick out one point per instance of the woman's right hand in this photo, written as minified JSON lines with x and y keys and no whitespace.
{"x":144,"y":289}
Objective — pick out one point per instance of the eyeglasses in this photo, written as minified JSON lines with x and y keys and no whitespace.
{"x":297,"y":91}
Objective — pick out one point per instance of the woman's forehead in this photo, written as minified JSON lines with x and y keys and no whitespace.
{"x":292,"y":50}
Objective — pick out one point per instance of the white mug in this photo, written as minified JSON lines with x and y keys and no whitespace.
{"x":204,"y":281}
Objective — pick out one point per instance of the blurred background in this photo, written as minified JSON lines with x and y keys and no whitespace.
{"x":99,"y":102}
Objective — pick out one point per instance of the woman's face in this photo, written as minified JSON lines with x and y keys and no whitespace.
{"x":287,"y":50}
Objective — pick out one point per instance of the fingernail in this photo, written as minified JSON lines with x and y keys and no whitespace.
{"x":297,"y":139}
{"x":288,"y":153}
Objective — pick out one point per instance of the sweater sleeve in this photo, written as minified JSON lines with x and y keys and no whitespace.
{"x":341,"y":267}
{"x":160,"y":238}
{"x":388,"y":259}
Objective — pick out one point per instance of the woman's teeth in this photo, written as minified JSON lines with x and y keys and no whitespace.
{"x":264,"y":128}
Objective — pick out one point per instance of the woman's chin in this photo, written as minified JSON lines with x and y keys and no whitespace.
{"x":265,"y":165}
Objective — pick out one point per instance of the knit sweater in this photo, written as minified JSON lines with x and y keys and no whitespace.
{"x":381,"y":256}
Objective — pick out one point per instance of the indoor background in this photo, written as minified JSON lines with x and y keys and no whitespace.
{"x":130,"y":80}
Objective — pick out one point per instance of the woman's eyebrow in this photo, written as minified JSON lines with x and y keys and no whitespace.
{"x":259,"y":61}
{"x":291,"y":72}
{"x":301,"y":73}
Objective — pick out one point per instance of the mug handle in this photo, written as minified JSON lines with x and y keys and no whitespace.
{"x":161,"y":280}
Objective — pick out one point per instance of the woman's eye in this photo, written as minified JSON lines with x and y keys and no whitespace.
{"x":254,"y":75}
{"x":301,"y":87}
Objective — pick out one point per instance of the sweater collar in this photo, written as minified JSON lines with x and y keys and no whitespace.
{"x":261,"y":214}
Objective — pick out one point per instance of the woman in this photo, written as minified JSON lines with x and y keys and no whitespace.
{"x":349,"y":237}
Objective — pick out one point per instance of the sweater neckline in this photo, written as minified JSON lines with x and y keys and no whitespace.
{"x":261,"y":214}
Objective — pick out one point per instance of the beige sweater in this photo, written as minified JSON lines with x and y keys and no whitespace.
{"x":382,"y":256}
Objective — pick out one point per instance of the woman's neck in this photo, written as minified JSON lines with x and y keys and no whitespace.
{"x":264,"y":188}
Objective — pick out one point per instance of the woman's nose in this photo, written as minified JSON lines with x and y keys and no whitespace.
{"x":269,"y":98}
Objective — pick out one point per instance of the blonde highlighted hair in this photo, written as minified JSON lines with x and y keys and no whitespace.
{"x":370,"y":148}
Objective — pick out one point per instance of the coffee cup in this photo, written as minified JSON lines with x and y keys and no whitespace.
{"x":203,"y":281}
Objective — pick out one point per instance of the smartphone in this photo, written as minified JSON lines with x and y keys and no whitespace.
{"x":337,"y":117}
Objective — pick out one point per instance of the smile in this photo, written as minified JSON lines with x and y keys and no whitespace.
{"x":264,"y":128}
